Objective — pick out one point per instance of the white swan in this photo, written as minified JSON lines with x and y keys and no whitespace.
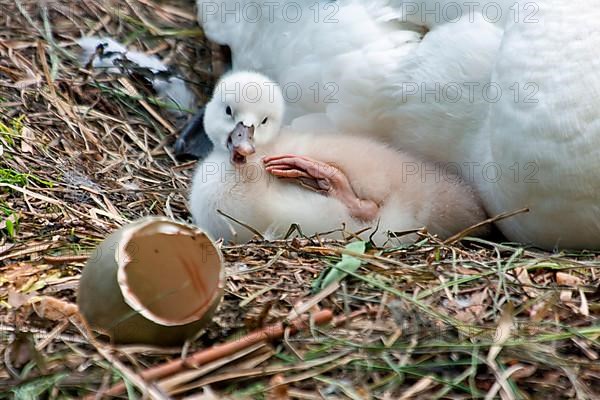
{"x":364,"y":67}
{"x":356,"y":180}
{"x":545,"y":141}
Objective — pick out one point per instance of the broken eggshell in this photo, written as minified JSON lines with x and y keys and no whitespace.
{"x":154,"y":281}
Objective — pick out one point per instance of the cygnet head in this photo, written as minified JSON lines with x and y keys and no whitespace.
{"x":245,"y":111}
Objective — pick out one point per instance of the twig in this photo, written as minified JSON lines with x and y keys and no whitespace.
{"x":59,"y":260}
{"x":251,"y":229}
{"x":132,"y":91}
{"x":458,"y":237}
{"x":216,"y":352}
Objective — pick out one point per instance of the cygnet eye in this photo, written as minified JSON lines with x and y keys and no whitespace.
{"x":228,"y":110}
{"x":265,"y":120}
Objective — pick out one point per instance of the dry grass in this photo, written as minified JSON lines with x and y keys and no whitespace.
{"x":82,"y":156}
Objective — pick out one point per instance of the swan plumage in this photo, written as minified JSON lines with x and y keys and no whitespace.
{"x":550,"y":133}
{"x":170,"y":89}
{"x":373,"y":67}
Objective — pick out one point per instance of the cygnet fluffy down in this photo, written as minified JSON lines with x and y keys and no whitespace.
{"x":269,"y":177}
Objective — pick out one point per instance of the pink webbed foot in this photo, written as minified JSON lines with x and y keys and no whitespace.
{"x":323,"y":178}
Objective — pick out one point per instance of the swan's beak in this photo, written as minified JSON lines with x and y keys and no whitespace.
{"x":241,"y":143}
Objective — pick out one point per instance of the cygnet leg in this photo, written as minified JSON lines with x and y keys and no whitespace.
{"x":324,"y":178}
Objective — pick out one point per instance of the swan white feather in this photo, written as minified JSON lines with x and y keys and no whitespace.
{"x":373,"y":67}
{"x":171,"y":90}
{"x":550,"y":134}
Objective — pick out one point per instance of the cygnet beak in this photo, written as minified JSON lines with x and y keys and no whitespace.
{"x":241,"y":143}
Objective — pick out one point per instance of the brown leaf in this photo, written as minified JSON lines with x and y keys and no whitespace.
{"x":473,"y":307}
{"x":16,"y":300}
{"x":27,"y":137}
{"x":25,"y":83}
{"x":54,"y":309}
{"x":279,"y":390}
{"x":540,"y":311}
{"x":564,"y":279}
{"x":523,"y":277}
{"x":525,"y":372}
{"x":477,"y":303}
{"x":464,"y":316}
{"x":504,"y":331}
